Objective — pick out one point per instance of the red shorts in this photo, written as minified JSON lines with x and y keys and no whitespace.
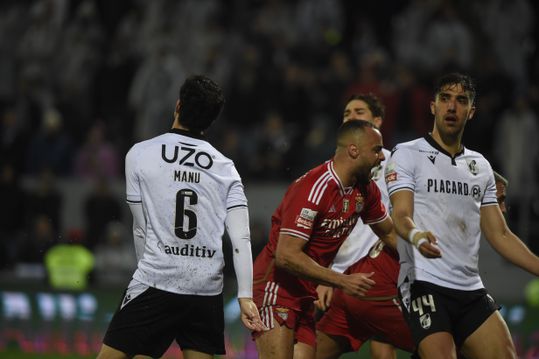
{"x":359,"y":320}
{"x":301,"y":322}
{"x":284,"y":299}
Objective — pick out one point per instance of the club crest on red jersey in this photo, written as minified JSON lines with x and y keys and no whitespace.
{"x":345,"y":205}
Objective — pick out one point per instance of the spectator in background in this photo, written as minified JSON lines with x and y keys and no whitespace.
{"x":76,"y":63}
{"x":51,"y":146}
{"x":69,"y":263}
{"x":13,"y":138}
{"x":100,"y":208}
{"x":115,"y":258}
{"x":273,"y":142}
{"x":97,"y":157}
{"x":516,"y":137}
{"x":41,"y":238}
{"x":46,"y":200}
{"x":12,"y":213}
{"x":155,"y":86}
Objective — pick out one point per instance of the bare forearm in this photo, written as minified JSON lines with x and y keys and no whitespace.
{"x":305,"y":267}
{"x":514,"y":250}
{"x":403,"y":225}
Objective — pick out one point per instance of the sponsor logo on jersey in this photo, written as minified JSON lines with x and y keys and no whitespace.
{"x":432,"y":158}
{"x":448,"y":186}
{"x":359,"y":202}
{"x":476,"y":192}
{"x":425,"y":321}
{"x":391,"y":174}
{"x":187,"y":156}
{"x":306,"y":217}
{"x":337,"y":227}
{"x":308,"y":214}
{"x":332,"y":209}
{"x":190,"y":250}
{"x":127,"y":298}
{"x":431,"y":152}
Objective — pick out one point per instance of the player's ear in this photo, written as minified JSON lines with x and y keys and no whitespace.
{"x":432,"y":107}
{"x":353,"y":151}
{"x":178,"y":105}
{"x":471,"y":113}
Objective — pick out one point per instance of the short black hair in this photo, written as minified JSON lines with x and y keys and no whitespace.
{"x":351,"y":126}
{"x":374,"y":103}
{"x":201,"y":102}
{"x":455,"y":78}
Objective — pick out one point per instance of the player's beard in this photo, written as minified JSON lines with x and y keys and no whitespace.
{"x":364,"y":176}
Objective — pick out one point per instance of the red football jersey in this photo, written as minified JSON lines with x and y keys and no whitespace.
{"x":318,"y":209}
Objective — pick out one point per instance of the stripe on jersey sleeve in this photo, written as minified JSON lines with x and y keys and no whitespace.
{"x":294,"y":233}
{"x":378,"y":220}
{"x":236,"y":206}
{"x":401,"y":188}
{"x":130,"y":201}
{"x":488,"y":204}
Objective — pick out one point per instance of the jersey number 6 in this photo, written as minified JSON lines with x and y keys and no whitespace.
{"x":183,"y":213}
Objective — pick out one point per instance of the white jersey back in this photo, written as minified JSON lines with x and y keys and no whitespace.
{"x":186,"y":187}
{"x":448,"y":195}
{"x":362,"y":238}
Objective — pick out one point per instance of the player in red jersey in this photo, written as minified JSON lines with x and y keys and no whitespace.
{"x":349,"y":322}
{"x":315,"y":216}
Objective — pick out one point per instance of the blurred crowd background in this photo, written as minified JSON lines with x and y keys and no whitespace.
{"x":82,"y":80}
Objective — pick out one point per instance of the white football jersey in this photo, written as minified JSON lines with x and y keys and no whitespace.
{"x":362,"y":238}
{"x":186,"y":187}
{"x":448,"y":195}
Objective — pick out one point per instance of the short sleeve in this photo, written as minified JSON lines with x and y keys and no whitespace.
{"x":490,"y":199}
{"x":399,"y":172}
{"x":374,"y":210}
{"x":298,"y":214}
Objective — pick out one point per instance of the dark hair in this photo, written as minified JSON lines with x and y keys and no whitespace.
{"x":374,"y":103}
{"x":352,"y":126}
{"x":455,"y":78}
{"x":201,"y":102}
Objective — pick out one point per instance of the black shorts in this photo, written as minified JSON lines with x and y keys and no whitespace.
{"x":148,"y":323}
{"x":429,"y":308}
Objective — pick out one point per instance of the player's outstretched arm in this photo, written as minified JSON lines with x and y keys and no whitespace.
{"x":505,"y":242}
{"x":290,"y":256}
{"x":386,"y":232}
{"x":403,"y":211}
{"x":237,"y":226}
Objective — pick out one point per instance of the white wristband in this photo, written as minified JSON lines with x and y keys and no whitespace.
{"x":419,"y":242}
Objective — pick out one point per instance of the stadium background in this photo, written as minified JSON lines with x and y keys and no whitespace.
{"x":82,"y":80}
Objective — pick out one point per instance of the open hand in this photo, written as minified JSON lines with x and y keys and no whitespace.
{"x":250,"y":316}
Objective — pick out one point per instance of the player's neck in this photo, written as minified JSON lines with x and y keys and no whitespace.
{"x":452,"y":144}
{"x":347,"y":177}
{"x":176,"y":124}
